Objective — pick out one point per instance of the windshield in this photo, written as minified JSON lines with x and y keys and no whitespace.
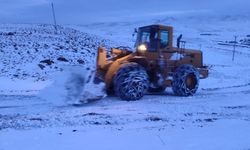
{"x":149,"y":37}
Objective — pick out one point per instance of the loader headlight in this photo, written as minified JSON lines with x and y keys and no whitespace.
{"x":142,"y":48}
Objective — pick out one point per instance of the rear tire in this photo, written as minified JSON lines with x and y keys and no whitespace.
{"x":131,"y":82}
{"x":185,"y":80}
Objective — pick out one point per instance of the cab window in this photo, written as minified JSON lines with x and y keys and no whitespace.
{"x":152,"y":45}
{"x":145,"y":37}
{"x":149,"y":38}
{"x":164,"y":39}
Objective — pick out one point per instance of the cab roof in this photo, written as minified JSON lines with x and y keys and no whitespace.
{"x":157,"y":26}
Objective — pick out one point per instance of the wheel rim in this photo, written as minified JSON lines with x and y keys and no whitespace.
{"x":191,"y":82}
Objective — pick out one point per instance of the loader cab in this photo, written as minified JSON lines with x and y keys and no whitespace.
{"x":151,"y":40}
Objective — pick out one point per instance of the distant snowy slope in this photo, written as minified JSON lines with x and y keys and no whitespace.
{"x":36,"y":50}
{"x":92,"y":11}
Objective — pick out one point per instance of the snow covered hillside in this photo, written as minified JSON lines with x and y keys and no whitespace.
{"x":217,"y":117}
{"x":34,"y":51}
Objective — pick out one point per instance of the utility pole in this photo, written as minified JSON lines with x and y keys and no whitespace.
{"x":54,"y":16}
{"x":235,"y":41}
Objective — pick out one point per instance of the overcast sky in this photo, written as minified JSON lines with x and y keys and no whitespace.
{"x":84,"y":11}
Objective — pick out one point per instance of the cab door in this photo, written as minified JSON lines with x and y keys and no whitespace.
{"x":166,"y":49}
{"x":151,"y":39}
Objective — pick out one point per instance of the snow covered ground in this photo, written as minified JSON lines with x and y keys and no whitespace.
{"x":217,"y":117}
{"x":209,"y":120}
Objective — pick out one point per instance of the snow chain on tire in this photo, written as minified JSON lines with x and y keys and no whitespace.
{"x":131,"y":82}
{"x":182,"y":75}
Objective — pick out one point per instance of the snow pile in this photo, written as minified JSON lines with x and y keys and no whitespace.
{"x":74,"y":85}
{"x":34,"y":51}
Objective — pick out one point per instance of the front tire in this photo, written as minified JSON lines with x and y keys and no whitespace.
{"x":131,"y":82}
{"x":185,"y":80}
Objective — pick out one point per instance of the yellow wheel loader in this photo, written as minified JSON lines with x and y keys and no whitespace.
{"x":154,"y":65}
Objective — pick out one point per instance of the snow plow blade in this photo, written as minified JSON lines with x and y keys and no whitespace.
{"x":83,"y":86}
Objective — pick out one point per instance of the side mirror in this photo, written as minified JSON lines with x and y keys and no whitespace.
{"x":135,"y":31}
{"x":179,"y":40}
